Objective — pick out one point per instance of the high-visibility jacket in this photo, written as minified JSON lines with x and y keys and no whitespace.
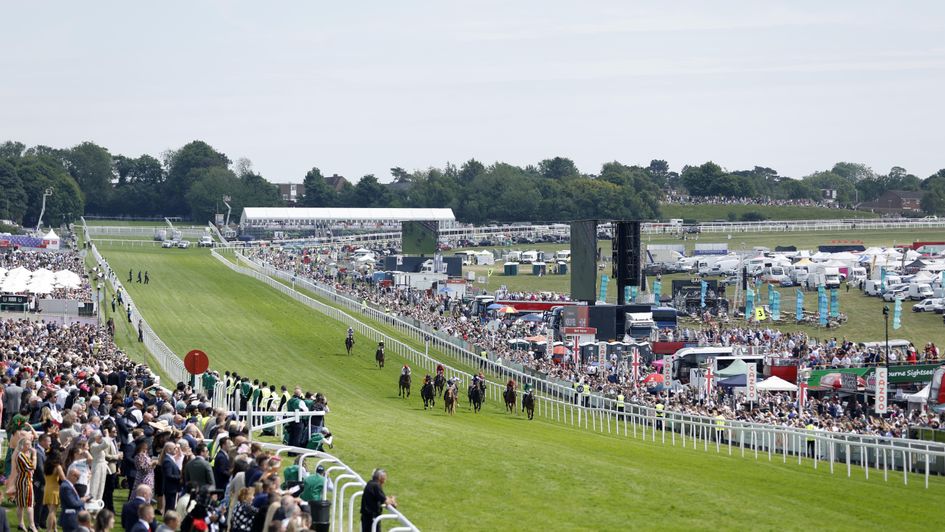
{"x":620,"y":401}
{"x":659,"y":410}
{"x":719,"y":423}
{"x":810,"y":426}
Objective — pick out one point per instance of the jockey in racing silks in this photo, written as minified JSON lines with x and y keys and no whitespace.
{"x":350,"y":333}
{"x":440,"y":369}
{"x":527,"y":389}
{"x":405,"y":370}
{"x":478,"y":379}
{"x":510,"y":386}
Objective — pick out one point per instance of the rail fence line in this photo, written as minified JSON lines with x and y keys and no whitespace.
{"x":885,"y":455}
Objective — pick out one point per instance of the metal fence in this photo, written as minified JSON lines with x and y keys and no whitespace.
{"x":141,"y":230}
{"x":885,"y":455}
{"x":348,"y":486}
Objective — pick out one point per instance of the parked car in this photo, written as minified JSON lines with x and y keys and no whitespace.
{"x":168,"y":244}
{"x":901,"y":292}
{"x":183,"y":244}
{"x":206,"y":241}
{"x":929,"y":305}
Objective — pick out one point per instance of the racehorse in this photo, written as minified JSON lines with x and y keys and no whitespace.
{"x":450,"y":398}
{"x":528,"y":404}
{"x":439,"y":382}
{"x":428,"y":395}
{"x":349,"y":343}
{"x":475,"y":397}
{"x":404,"y":390}
{"x":509,"y":396}
{"x":379,"y":355}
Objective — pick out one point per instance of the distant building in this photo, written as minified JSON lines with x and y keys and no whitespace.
{"x":291,"y":193}
{"x":337,"y":182}
{"x":829,"y":195}
{"x":895,"y":202}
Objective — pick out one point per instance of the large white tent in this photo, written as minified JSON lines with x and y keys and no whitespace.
{"x":776,"y":384}
{"x":322,"y":216}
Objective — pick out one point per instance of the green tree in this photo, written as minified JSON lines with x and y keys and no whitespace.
{"x":39,"y":173}
{"x":470,"y":170}
{"x":91,"y":167}
{"x":12,"y":192}
{"x":205,"y":196}
{"x":701,"y":180}
{"x":370,"y":193}
{"x":852,"y":172}
{"x":846,"y":192}
{"x":255,"y":191}
{"x":12,"y":149}
{"x":558,"y":168}
{"x":184,"y":168}
{"x":318,"y":193}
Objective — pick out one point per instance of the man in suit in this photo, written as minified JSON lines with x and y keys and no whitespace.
{"x":221,"y":463}
{"x":70,"y":502}
{"x":129,"y":512}
{"x":197,"y":472}
{"x":145,"y":517}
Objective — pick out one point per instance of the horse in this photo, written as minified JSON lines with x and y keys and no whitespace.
{"x":428,"y":395}
{"x":475,"y":397}
{"x":404,"y":390}
{"x":349,"y":343}
{"x":439,"y":382}
{"x":509,"y":396}
{"x":449,"y":397}
{"x":528,"y":404}
{"x":379,"y":356}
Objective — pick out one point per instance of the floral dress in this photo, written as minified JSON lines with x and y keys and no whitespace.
{"x":144,"y":471}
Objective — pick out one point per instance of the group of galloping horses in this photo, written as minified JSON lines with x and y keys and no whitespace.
{"x":475,"y":393}
{"x":434,"y":386}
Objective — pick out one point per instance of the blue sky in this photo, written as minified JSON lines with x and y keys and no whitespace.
{"x":359,"y":87}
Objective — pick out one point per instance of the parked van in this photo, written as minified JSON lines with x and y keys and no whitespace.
{"x":871,"y":287}
{"x":919,"y":291}
{"x":528,"y":257}
{"x":931,"y":304}
{"x":563,"y":255}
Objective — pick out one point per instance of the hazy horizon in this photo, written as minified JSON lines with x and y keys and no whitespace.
{"x":358,"y":89}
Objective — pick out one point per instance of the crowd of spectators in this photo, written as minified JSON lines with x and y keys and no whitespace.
{"x":683,"y":199}
{"x":54,"y":261}
{"x":84,"y":421}
{"x":498,"y":333}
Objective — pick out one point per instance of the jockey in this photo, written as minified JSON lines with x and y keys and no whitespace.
{"x":350,"y":333}
{"x":528,"y":389}
{"x":477,"y":379}
{"x":427,"y":379}
{"x":440,"y":369}
{"x":405,"y":370}
{"x":510,"y":385}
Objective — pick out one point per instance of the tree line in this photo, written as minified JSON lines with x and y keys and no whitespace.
{"x":192,"y":181}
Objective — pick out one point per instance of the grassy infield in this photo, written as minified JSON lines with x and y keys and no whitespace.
{"x":492,"y":470}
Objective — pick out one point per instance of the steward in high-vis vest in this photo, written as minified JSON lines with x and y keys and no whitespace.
{"x":811,"y":442}
{"x":719,"y":426}
{"x":246,"y":391}
{"x":620,"y":403}
{"x":659,"y":415}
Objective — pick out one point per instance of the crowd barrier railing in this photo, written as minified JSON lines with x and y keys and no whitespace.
{"x":668,"y":427}
{"x":343,"y":511}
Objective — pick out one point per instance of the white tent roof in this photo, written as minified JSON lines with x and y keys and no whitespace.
{"x":51,"y":235}
{"x":253,"y":215}
{"x":776,"y":384}
{"x":920,"y":396}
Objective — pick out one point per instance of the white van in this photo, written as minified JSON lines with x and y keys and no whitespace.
{"x":871,"y":287}
{"x":563,"y":255}
{"x":919,"y":291}
{"x":528,"y":257}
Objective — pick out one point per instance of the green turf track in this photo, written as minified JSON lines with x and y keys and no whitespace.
{"x":494,"y":471}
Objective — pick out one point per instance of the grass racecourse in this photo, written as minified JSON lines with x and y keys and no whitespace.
{"x":494,"y":471}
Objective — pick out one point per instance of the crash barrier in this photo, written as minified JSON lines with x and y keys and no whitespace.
{"x":343,"y":514}
{"x":170,"y":364}
{"x":598,"y":414}
{"x":428,"y":337}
